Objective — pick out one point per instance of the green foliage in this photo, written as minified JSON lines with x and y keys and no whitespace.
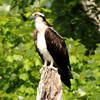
{"x":20,"y":63}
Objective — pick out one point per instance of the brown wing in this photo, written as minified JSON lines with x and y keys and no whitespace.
{"x":35,"y":35}
{"x":57,"y":48}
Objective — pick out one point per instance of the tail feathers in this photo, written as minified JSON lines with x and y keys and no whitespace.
{"x":65,"y":77}
{"x":66,"y":81}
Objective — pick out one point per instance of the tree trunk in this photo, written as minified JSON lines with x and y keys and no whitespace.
{"x":50,"y":86}
{"x":89,"y":6}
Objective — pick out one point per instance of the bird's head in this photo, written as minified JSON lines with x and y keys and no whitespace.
{"x":40,"y":19}
{"x":38,"y":15}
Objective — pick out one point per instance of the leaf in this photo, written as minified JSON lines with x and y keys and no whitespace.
{"x":23,"y":76}
{"x":17,"y":57}
{"x":10,"y":59}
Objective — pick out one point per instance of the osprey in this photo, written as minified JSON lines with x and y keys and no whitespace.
{"x":52,"y":48}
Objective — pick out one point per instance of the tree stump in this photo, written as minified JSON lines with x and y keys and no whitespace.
{"x":50,"y":86}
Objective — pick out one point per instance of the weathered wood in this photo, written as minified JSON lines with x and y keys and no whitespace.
{"x":50,"y":86}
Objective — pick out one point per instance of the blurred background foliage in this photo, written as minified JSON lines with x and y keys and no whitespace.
{"x":19,"y":61}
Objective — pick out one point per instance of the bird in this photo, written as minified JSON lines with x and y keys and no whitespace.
{"x":52,"y":48}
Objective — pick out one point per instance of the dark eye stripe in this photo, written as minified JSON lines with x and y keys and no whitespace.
{"x":37,"y":15}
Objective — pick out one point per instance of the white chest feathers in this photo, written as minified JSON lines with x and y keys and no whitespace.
{"x":41,"y":44}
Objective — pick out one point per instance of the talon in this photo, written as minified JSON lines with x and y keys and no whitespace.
{"x":53,"y":68}
{"x":42,"y":69}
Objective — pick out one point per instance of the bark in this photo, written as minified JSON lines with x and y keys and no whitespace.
{"x":50,"y":86}
{"x":93,"y":10}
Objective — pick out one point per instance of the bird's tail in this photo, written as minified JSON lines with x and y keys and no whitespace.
{"x":66,"y":75}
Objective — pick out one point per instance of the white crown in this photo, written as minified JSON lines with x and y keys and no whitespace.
{"x":38,"y":13}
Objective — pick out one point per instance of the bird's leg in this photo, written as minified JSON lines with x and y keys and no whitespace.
{"x":51,"y":66}
{"x":44,"y":65}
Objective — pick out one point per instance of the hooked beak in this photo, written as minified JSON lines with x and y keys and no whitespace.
{"x":32,"y":17}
